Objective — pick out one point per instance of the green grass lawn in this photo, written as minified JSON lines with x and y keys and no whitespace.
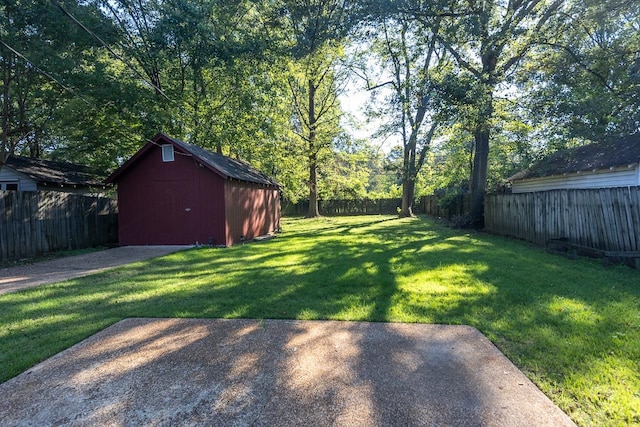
{"x":573,"y":327}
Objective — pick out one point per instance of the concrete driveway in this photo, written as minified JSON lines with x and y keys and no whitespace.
{"x":28,"y":276}
{"x":162,"y":372}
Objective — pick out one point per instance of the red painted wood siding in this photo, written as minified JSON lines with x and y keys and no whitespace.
{"x":170,"y":203}
{"x":252,"y":210}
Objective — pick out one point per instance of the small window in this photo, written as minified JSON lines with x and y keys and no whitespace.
{"x":8,"y":186}
{"x":167,"y":153}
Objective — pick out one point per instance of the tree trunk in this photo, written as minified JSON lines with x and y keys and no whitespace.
{"x":313,"y":155}
{"x":408,"y":189}
{"x":481,"y":134}
{"x":4,"y":126}
{"x":313,"y":188}
{"x":479,"y":176}
{"x":409,"y":168}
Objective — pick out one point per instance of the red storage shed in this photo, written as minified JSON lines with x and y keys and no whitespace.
{"x":174,"y":193}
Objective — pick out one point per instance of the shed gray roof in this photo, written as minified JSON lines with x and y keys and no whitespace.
{"x":224,"y":166}
{"x":50,"y":172}
{"x":230,"y":168}
{"x":602,"y":155}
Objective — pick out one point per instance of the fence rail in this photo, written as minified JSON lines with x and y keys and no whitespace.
{"x":606,"y":219}
{"x":33,"y":223}
{"x":360,"y":207}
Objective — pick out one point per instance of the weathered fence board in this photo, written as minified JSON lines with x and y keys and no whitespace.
{"x":604,"y":219}
{"x":33,"y":223}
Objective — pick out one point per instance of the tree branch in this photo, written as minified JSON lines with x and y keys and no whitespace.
{"x":578,"y":60}
{"x":459,"y":59}
{"x":378,"y":86}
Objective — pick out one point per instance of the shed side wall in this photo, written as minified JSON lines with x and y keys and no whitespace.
{"x":252,"y":210}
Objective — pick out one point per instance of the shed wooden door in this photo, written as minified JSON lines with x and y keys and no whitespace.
{"x":174,"y":211}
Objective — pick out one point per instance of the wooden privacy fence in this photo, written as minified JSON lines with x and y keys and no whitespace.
{"x":607,"y":219}
{"x":359,"y":207}
{"x":458,"y":205}
{"x":346,"y":207}
{"x":33,"y":223}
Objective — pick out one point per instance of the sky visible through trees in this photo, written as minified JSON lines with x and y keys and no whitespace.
{"x":334,"y":98}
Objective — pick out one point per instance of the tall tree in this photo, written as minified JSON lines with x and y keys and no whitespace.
{"x":103,"y":122}
{"x":141,"y":36}
{"x":411,"y":57}
{"x":584,"y":83}
{"x":489,"y":40}
{"x":318,"y":28}
{"x":198,"y":70}
{"x":34,"y":46}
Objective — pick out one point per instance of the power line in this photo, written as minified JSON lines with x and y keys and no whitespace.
{"x":41,"y":71}
{"x":106,"y":46}
{"x":68,"y":89}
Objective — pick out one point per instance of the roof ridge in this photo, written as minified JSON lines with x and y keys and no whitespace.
{"x":228,"y":166}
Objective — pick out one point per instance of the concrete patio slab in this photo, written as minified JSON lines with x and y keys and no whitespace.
{"x":158,"y":372}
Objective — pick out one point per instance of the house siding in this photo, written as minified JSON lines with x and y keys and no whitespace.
{"x":252,"y":210}
{"x":24,"y":182}
{"x":175,"y":202}
{"x":618,"y":177}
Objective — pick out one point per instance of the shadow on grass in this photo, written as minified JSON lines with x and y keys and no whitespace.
{"x":556,"y":319}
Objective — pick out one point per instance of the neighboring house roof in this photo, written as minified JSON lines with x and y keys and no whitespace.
{"x":224,"y":166}
{"x":603,"y":155}
{"x":57,"y":173}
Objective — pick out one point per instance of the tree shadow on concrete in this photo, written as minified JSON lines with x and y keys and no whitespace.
{"x":277,"y":372}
